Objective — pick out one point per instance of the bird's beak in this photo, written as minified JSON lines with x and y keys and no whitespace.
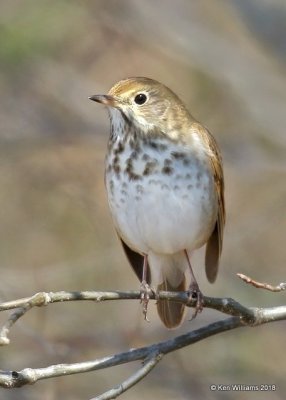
{"x":105,"y":99}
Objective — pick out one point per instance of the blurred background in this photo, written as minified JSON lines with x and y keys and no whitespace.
{"x":226,"y":59}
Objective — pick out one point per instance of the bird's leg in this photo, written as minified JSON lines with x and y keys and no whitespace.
{"x":145,"y":288}
{"x":194,"y":290}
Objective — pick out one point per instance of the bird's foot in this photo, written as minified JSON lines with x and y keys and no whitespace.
{"x":145,"y":292}
{"x":196,"y":294}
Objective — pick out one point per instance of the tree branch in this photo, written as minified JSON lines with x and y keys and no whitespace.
{"x":225,"y":305}
{"x":241,"y":316}
{"x":29,"y":376}
{"x":262,"y":285}
{"x":132,"y":380}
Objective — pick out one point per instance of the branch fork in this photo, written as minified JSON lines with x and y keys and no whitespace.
{"x":240,"y":316}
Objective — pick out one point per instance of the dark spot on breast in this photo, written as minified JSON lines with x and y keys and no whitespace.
{"x":139,"y":189}
{"x":134,"y":177}
{"x":154,"y":182}
{"x":155,"y":145}
{"x":116,"y":169}
{"x":115,"y":160}
{"x":115,"y":165}
{"x":149,"y":167}
{"x":167,"y":162}
{"x":130,"y":171}
{"x":145,"y":157}
{"x":190,"y":187}
{"x":199,"y":175}
{"x":178,"y":155}
{"x":188,"y":176}
{"x":164,"y":186}
{"x":129,"y":164}
{"x":111,"y":187}
{"x":134,"y":155}
{"x":167,"y":170}
{"x":162,"y":147}
{"x":119,"y":149}
{"x":147,"y":171}
{"x":135,"y":145}
{"x":132,"y":143}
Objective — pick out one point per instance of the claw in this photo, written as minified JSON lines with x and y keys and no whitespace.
{"x":145,"y":291}
{"x":195,"y":293}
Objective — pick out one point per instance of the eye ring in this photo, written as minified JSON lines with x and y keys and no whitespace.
{"x":140,"y":99}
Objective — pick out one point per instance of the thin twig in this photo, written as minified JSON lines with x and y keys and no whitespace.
{"x":4,"y":340}
{"x":261,"y":285}
{"x":132,"y":380}
{"x":39,"y":299}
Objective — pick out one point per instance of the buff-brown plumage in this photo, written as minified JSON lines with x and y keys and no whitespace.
{"x":165,"y":187}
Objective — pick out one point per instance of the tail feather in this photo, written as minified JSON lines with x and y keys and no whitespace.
{"x":170,"y":312}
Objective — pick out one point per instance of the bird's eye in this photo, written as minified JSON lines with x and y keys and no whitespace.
{"x":140,"y":98}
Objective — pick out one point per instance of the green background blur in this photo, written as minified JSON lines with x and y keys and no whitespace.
{"x":227,"y":61}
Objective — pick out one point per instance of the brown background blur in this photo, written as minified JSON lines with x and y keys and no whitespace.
{"x":226,"y":60}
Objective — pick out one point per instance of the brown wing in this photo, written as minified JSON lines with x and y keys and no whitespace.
{"x":136,"y":260}
{"x":214,"y":244}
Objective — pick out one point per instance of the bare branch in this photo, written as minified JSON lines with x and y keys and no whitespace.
{"x":132,"y":380}
{"x":29,"y":376}
{"x":4,"y":340}
{"x":240,"y":316}
{"x":224,"y":305}
{"x":260,"y":285}
{"x":39,"y":299}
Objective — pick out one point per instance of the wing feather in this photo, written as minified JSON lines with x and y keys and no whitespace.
{"x":215,"y":242}
{"x":136,"y":261}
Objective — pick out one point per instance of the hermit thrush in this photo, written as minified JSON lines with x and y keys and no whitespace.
{"x":165,"y":188}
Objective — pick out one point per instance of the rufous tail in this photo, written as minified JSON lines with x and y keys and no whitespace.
{"x":171,"y":312}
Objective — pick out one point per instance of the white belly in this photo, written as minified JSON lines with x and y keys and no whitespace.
{"x":163,"y":213}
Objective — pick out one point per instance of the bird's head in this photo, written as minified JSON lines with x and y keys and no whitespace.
{"x":145,"y":103}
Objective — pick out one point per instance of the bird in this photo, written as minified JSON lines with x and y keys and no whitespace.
{"x":165,"y":189}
